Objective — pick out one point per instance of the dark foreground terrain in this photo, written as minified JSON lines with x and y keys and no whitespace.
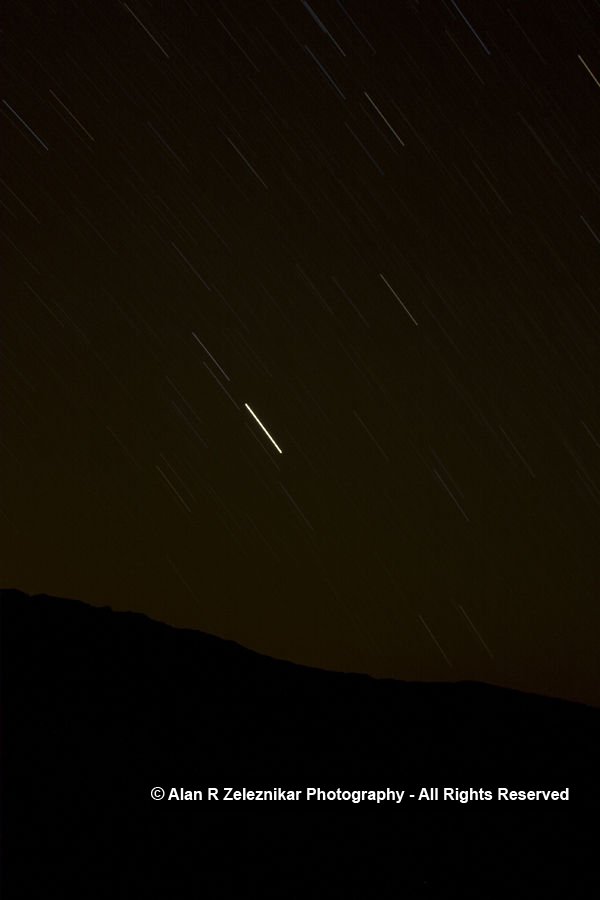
{"x":99,"y":707}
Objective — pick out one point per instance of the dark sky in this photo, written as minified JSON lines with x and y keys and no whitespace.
{"x":373,"y":225}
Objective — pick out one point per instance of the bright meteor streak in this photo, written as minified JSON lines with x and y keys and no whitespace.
{"x":263,"y":428}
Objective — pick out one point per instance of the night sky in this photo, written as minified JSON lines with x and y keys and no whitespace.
{"x":300,"y":326}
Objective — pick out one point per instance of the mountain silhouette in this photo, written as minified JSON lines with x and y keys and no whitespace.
{"x":109,"y":704}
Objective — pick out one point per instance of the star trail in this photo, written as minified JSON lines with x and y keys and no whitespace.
{"x":300,"y":326}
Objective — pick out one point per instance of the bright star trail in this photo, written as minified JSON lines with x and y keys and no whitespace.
{"x":252,"y":413}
